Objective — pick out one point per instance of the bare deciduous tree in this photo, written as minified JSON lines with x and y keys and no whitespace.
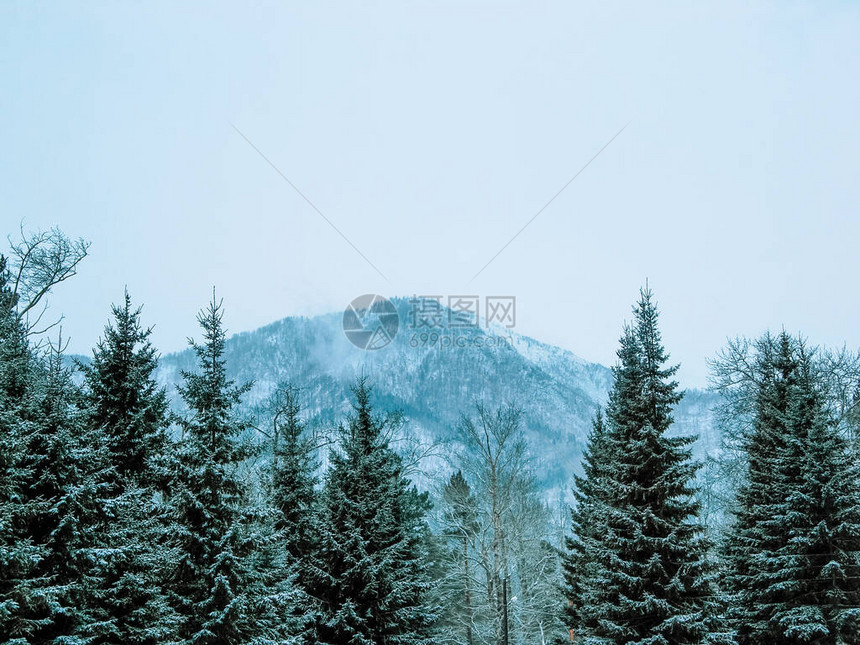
{"x":504,"y":539}
{"x":736,"y":375}
{"x":37,"y":263}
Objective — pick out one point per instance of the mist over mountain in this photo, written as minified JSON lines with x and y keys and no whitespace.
{"x":434,"y":381}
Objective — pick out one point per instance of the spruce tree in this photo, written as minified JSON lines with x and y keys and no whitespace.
{"x":48,"y":491}
{"x":372,"y":575}
{"x":21,"y":591}
{"x":822,"y":557}
{"x":581,"y":563}
{"x":61,"y":456}
{"x":127,"y":414}
{"x":124,"y":399}
{"x":293,"y":479}
{"x":647,"y":575}
{"x":756,"y":535}
{"x":793,"y":550}
{"x":293,"y":499}
{"x":211,"y":583}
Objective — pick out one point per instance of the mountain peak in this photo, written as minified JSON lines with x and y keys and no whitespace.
{"x":433,"y":375}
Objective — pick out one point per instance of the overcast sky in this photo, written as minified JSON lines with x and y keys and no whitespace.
{"x":429,"y":133}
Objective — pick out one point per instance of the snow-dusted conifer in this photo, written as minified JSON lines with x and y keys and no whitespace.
{"x":22,"y":593}
{"x":640,"y":546}
{"x":793,"y":569}
{"x":210,"y":586}
{"x":372,"y":579}
{"x":127,"y":415}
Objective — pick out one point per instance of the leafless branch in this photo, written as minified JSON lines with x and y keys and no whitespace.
{"x":40,"y":261}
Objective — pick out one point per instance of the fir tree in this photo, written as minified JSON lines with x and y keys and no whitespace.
{"x":60,"y":457}
{"x":372,"y":578}
{"x":647,"y":576}
{"x":581,"y":564}
{"x":47,"y":492}
{"x":20,"y":589}
{"x":124,"y":399}
{"x":793,"y":550}
{"x":293,"y":500}
{"x":127,"y":414}
{"x":211,"y":583}
{"x":756,"y":535}
{"x":822,"y":556}
{"x":293,"y":479}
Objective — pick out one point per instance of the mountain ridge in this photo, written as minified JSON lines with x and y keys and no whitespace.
{"x":433,"y":384}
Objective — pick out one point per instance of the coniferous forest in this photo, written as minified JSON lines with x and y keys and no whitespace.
{"x":127,"y":519}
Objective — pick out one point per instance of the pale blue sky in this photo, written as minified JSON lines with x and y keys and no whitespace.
{"x":429,"y":133}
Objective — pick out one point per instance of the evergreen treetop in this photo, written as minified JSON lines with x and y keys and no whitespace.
{"x":637,"y":564}
{"x":372,"y":578}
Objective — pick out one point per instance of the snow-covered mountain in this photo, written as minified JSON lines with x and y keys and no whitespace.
{"x":433,"y":383}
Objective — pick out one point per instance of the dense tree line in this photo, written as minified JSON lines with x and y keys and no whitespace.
{"x":640,"y":566}
{"x":125,"y":521}
{"x":792,"y":569}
